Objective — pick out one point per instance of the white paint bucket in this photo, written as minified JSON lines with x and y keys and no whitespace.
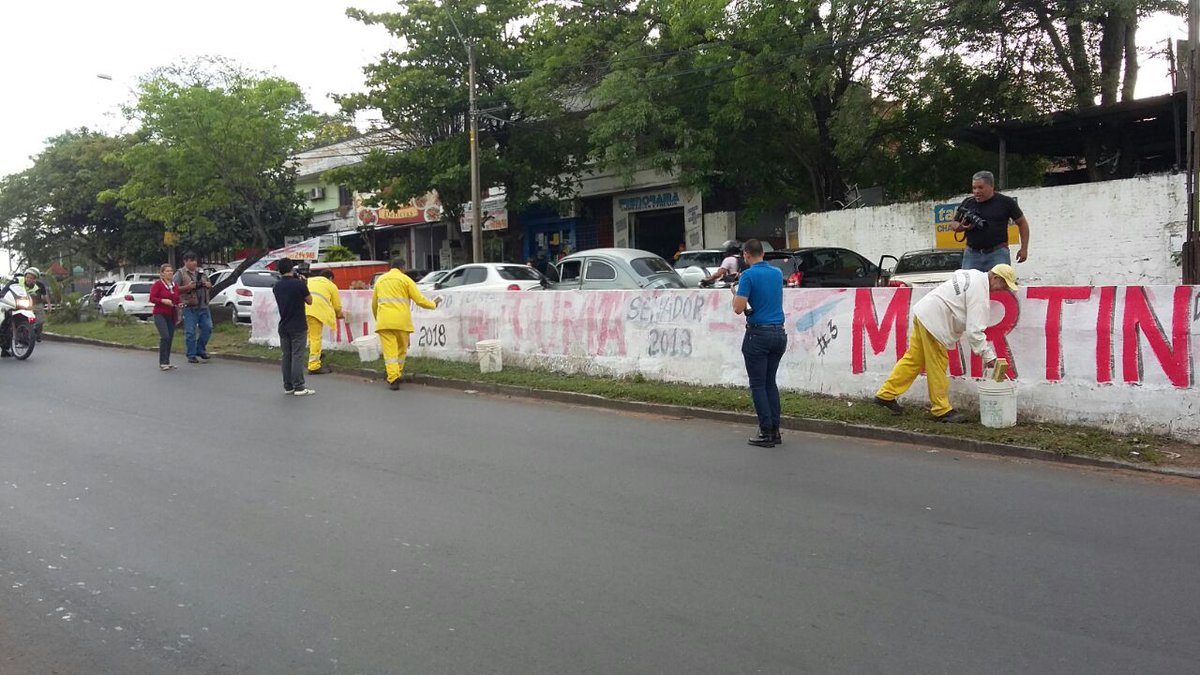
{"x":489,"y":356}
{"x":998,"y":404}
{"x":367,"y":346}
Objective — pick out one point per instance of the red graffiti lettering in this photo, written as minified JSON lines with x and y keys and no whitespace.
{"x":604,"y":323}
{"x":867,"y":325}
{"x":1056,"y":296}
{"x":1104,"y":331}
{"x":1173,"y":356}
{"x":997,"y":334}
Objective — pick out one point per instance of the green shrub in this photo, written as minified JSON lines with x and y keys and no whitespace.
{"x":338,"y":253}
{"x":120,"y":318}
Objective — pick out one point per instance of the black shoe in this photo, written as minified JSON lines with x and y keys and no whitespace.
{"x":204,"y":357}
{"x":890,"y":405}
{"x":323,"y":370}
{"x":764,"y":439}
{"x":952,"y":417}
{"x":776,"y":437}
{"x":394,"y":386}
{"x":193,"y":360}
{"x":5,"y":354}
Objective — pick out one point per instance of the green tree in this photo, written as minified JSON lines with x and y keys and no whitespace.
{"x":422,"y":96}
{"x":214,"y":164}
{"x":54,"y":208}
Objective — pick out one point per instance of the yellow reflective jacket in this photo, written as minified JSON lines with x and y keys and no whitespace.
{"x":389,"y":302}
{"x":326,"y":304}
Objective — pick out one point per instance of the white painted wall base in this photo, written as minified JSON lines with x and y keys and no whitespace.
{"x":1121,"y":358}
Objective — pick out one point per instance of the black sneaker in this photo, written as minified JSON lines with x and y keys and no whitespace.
{"x":952,"y":417}
{"x":204,"y":357}
{"x":776,"y":437}
{"x":323,"y":370}
{"x":896,"y":408}
{"x":193,"y":360}
{"x":764,"y":439}
{"x":394,"y":386}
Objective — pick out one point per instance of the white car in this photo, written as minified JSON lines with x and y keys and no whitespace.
{"x":694,"y":266}
{"x":131,"y":296}
{"x":490,"y":277}
{"x":239,"y":296}
{"x":427,"y":282}
{"x":926,"y":267}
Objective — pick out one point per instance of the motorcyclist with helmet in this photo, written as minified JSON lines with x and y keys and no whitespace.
{"x":31,"y":283}
{"x":730,"y":266}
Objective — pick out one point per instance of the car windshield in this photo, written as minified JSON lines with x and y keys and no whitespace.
{"x":648,"y":267}
{"x":139,"y":288}
{"x":519,"y":273}
{"x":929,"y":261}
{"x":698,"y":258}
{"x":259,"y":280}
{"x":432,"y":277}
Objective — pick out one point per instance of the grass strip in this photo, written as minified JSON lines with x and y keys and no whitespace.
{"x":1060,"y":438}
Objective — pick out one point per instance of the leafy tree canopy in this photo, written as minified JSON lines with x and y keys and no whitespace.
{"x":215,"y":163}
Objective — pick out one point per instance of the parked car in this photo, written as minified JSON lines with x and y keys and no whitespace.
{"x":611,"y":269}
{"x":490,"y":277}
{"x":427,"y":282}
{"x":239,"y":296}
{"x":926,"y":267}
{"x":824,"y":267}
{"x":694,"y":266}
{"x":131,"y":296}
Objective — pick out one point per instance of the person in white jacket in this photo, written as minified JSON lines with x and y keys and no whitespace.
{"x":960,"y":306}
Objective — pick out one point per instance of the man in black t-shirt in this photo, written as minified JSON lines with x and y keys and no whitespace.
{"x":984,"y":217}
{"x":291,"y":295}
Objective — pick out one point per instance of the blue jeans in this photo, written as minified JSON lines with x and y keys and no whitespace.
{"x":984,"y":262}
{"x":197,"y":344}
{"x":763,"y":349}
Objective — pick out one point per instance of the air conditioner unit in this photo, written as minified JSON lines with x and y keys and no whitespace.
{"x":314,"y":194}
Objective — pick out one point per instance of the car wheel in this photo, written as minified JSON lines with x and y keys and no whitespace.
{"x":233,"y":313}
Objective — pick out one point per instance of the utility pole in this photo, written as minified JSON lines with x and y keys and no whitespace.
{"x":476,"y":210}
{"x":1191,"y":247}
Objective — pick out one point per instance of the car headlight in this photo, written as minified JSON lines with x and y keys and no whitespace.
{"x":24,"y":303}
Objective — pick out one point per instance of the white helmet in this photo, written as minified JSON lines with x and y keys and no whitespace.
{"x":34,"y":271}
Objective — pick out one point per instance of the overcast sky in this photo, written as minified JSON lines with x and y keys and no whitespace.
{"x":52,"y":51}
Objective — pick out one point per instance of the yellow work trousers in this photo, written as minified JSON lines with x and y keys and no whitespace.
{"x":395,"y":348}
{"x":315,"y":328}
{"x":924,"y":351}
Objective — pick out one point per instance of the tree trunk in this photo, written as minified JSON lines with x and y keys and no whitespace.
{"x":1081,"y":79}
{"x":1131,"y":62}
{"x":1112,"y":55}
{"x":260,"y":239}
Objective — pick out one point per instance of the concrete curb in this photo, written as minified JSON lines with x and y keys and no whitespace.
{"x":829,"y":427}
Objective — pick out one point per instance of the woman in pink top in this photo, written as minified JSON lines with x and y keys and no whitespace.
{"x":164,"y":295}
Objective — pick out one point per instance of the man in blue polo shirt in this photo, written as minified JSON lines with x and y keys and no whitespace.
{"x":760,"y":298}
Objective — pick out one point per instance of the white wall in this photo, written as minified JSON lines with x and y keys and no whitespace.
{"x":1113,"y":232}
{"x":1122,"y":358}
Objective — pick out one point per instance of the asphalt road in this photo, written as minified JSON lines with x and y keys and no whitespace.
{"x":199,"y":521}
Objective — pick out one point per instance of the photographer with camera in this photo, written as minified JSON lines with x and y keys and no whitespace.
{"x":983,"y":217}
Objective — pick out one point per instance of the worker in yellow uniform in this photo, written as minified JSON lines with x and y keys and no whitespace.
{"x":390,"y":301}
{"x":325,"y":310}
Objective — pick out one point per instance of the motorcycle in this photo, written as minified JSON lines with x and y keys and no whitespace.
{"x":18,"y":324}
